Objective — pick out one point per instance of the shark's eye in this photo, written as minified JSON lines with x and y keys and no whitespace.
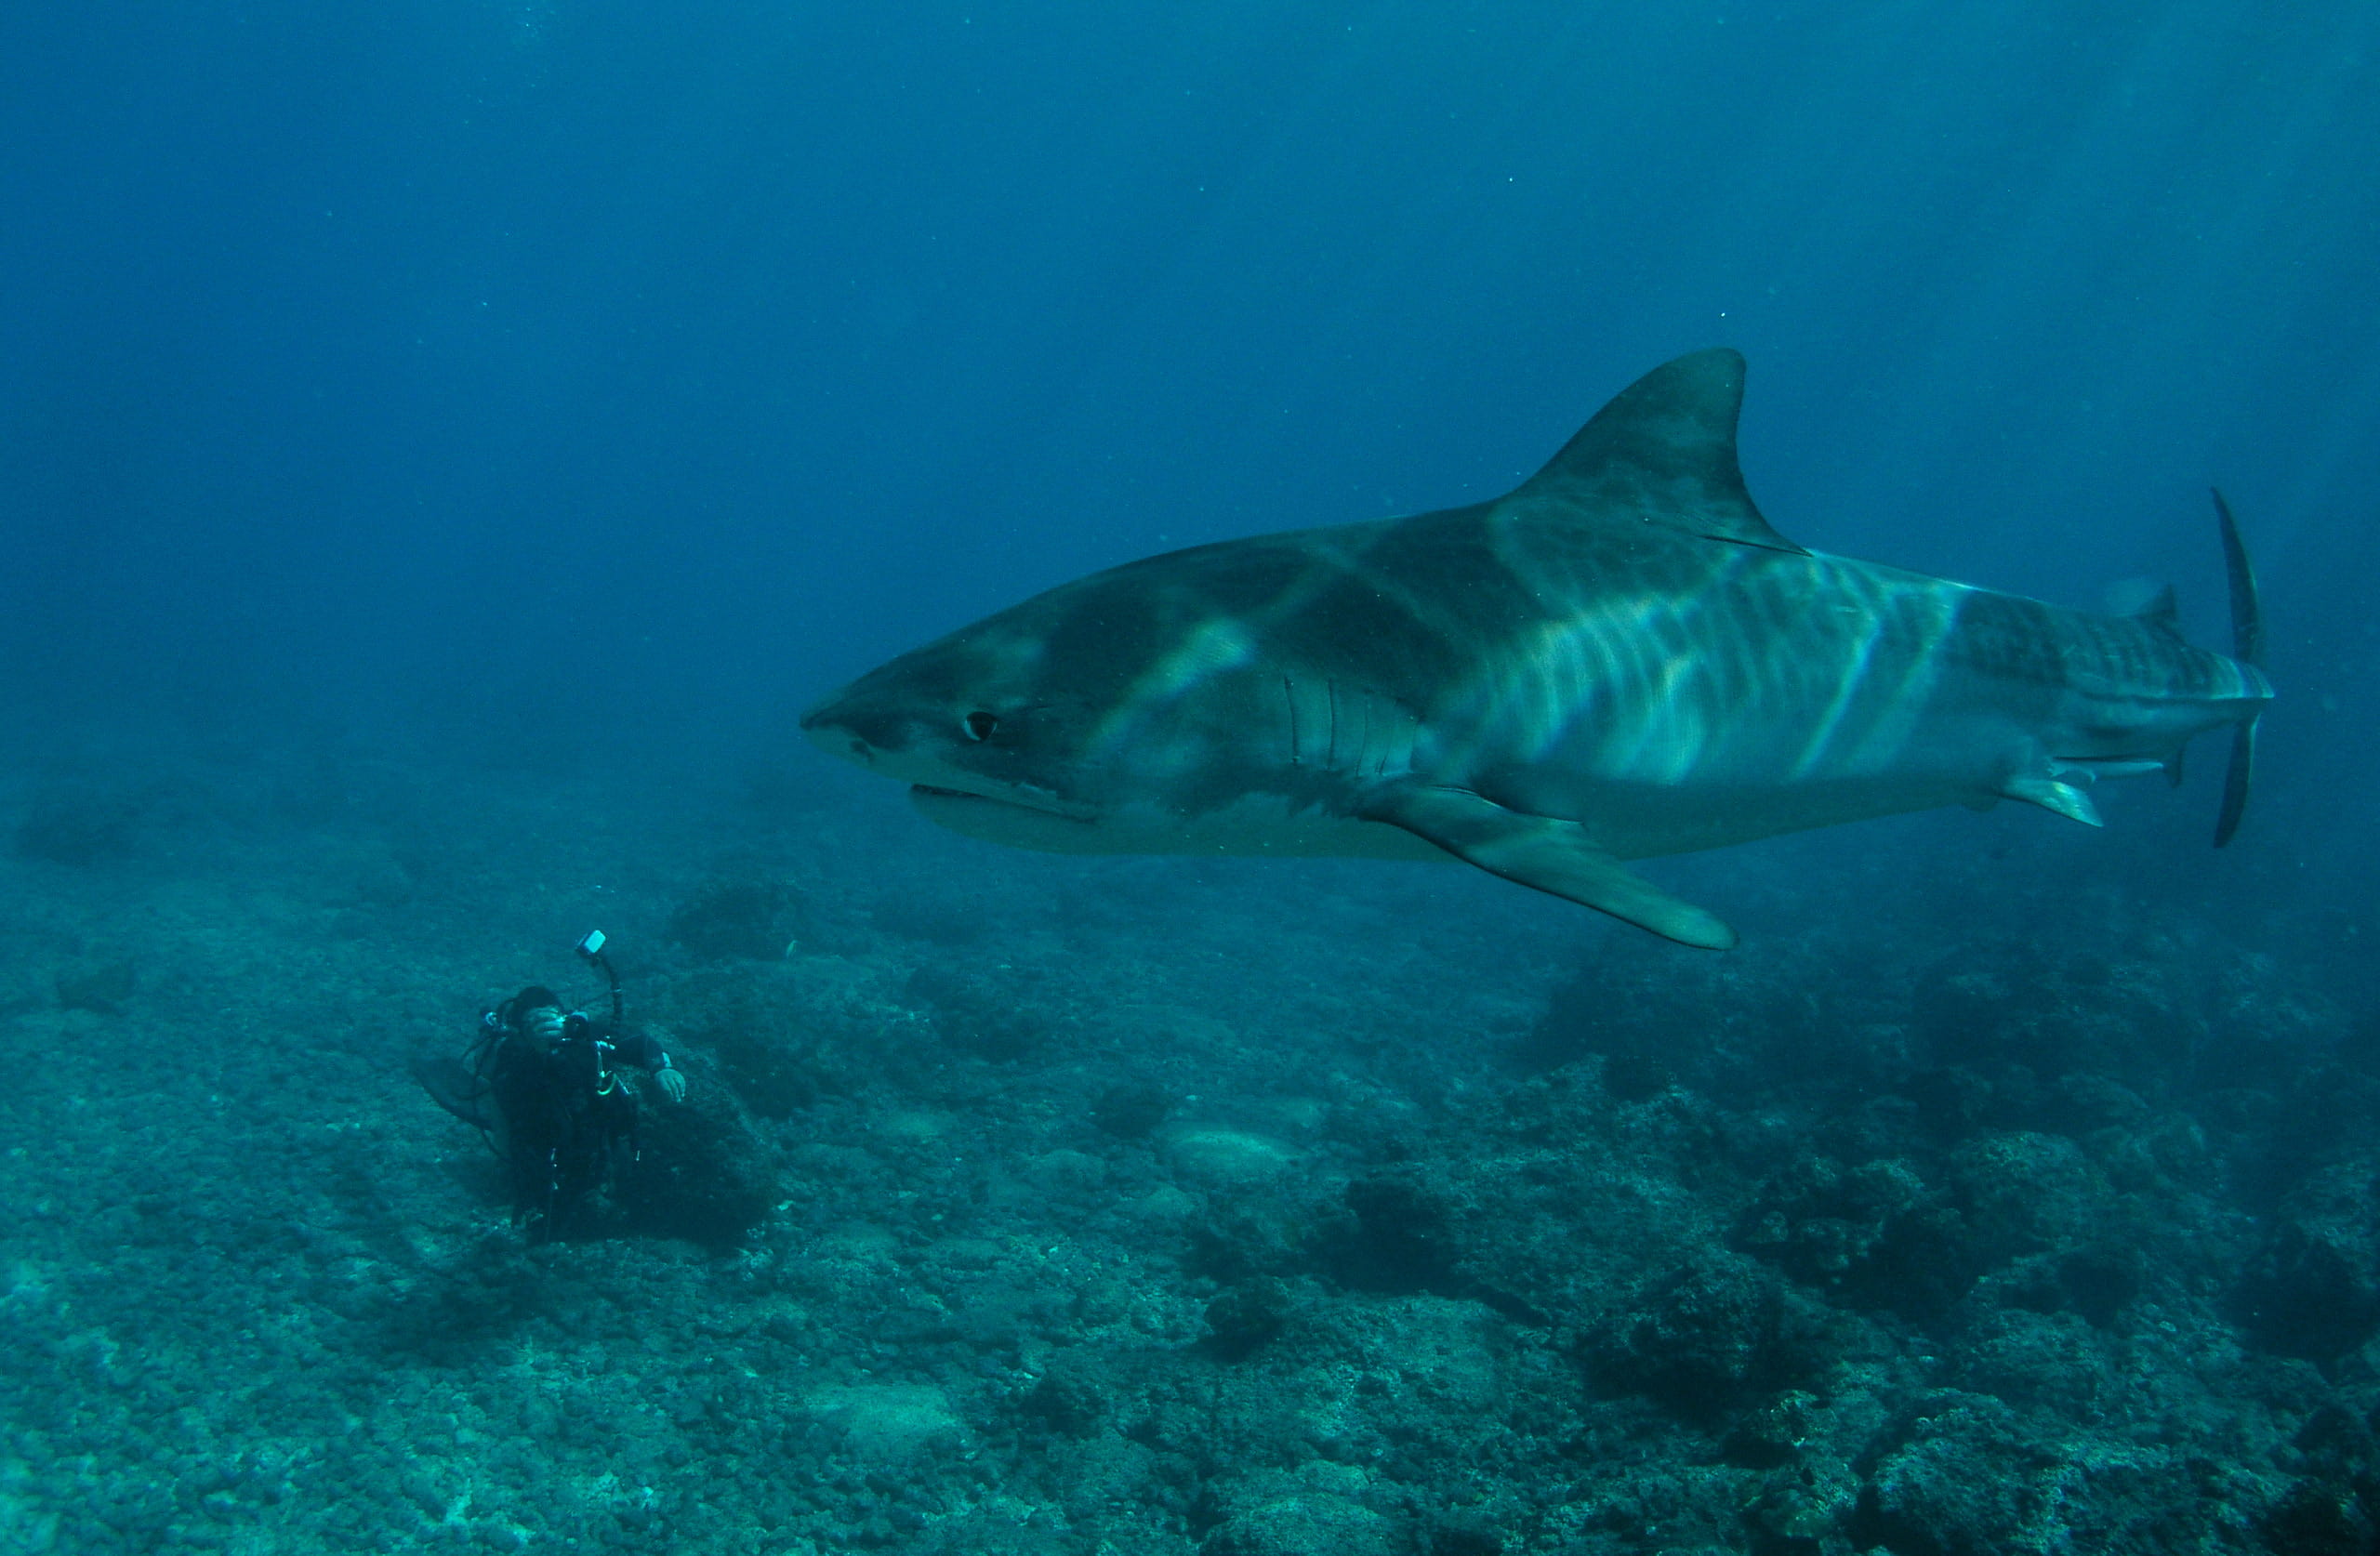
{"x":980,"y":725}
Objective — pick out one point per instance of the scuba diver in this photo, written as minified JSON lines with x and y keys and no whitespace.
{"x":550,"y":1088}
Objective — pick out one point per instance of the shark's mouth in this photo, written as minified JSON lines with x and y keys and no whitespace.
{"x":1037,"y":801}
{"x":1017,"y":822}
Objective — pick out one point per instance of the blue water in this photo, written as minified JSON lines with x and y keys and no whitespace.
{"x":574,"y":392}
{"x":770,"y":338}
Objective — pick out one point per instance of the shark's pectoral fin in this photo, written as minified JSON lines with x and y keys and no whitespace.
{"x":2055,"y":796}
{"x":1550,"y":854}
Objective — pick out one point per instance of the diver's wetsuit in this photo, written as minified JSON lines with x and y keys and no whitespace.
{"x":562,"y":1112}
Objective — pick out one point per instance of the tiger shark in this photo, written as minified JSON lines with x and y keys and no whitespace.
{"x":1616,"y":660}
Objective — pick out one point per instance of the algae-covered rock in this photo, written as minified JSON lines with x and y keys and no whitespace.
{"x":101,"y":988}
{"x":704,"y":1172}
{"x":887,"y":1420}
{"x":1405,"y":1233}
{"x":2033,"y":1359}
{"x":1966,"y":1475}
{"x":735,"y":918}
{"x":1307,"y":1523}
{"x":2023,"y":1190}
{"x":1242,"y":1317}
{"x":1970,"y":1480}
{"x":1067,"y":1174}
{"x":1822,"y":1222}
{"x":83,"y":825}
{"x":1212,"y":1157}
{"x":1804,"y":1505}
{"x":1712,"y":1332}
{"x":2313,"y":1288}
{"x":1314,"y":1511}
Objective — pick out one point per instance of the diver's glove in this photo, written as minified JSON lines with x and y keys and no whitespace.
{"x":673,"y":1083}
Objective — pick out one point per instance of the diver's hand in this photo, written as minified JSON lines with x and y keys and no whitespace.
{"x":545,"y":1025}
{"x":673,"y":1083}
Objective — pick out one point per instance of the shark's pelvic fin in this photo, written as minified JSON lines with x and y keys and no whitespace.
{"x":1552,"y":855}
{"x":1663,"y":452}
{"x":2055,"y":796}
{"x":2248,"y":647}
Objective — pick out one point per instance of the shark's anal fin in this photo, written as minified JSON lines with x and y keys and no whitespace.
{"x":2054,"y":796}
{"x":1552,"y":855}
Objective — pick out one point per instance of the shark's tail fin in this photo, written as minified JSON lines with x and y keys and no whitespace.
{"x":2248,"y":647}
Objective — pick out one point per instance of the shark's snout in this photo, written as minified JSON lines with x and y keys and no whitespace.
{"x":839,"y":728}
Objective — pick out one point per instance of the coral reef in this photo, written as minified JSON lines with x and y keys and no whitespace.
{"x":1058,"y":1208}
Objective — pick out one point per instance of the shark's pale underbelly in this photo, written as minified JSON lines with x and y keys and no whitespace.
{"x":1258,"y":825}
{"x":1632,"y":820}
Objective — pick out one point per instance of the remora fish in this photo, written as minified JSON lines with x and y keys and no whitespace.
{"x":1616,"y":660}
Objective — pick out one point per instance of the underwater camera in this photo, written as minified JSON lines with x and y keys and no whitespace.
{"x":591,"y":950}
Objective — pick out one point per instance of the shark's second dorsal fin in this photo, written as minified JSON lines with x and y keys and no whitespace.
{"x":2162,"y":614}
{"x":1663,"y":452}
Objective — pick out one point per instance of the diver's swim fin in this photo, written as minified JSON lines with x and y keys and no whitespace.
{"x":452,"y":1086}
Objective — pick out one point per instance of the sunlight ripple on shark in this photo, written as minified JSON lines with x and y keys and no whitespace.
{"x":1616,"y":660}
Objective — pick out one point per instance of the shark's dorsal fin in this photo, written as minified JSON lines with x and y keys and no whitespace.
{"x":1663,"y":452}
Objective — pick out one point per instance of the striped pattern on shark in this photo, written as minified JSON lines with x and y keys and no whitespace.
{"x":1618,"y":660}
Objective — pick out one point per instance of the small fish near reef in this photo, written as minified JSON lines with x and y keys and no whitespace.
{"x":1619,"y":659}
